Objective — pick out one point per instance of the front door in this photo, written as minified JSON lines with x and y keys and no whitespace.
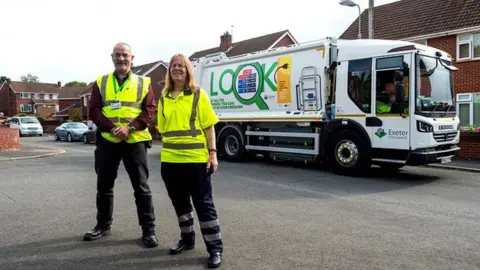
{"x":390,"y":103}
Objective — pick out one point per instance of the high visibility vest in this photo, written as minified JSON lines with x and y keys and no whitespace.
{"x":130,"y":99}
{"x":181,"y":144}
{"x":382,"y":107}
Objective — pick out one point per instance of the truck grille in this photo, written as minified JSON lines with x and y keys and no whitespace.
{"x":445,"y":137}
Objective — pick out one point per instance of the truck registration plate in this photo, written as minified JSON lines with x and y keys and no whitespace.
{"x":446,"y":159}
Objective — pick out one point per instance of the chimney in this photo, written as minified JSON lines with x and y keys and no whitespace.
{"x":59,"y":83}
{"x":225,"y":41}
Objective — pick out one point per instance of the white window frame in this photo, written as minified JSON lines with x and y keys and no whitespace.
{"x":46,"y":96}
{"x":22,"y":106}
{"x":470,"y":44}
{"x":54,"y":96}
{"x":24,"y":95}
{"x":466,"y":98}
{"x":36,"y":96}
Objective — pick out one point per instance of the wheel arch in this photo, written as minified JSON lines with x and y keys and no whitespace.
{"x":236,"y":126}
{"x":338,"y":124}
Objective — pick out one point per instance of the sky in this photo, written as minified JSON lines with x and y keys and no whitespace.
{"x":65,"y":40}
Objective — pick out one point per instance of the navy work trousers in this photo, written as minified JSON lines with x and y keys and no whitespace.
{"x":190,"y":180}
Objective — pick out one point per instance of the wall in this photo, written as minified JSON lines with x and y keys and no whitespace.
{"x":9,"y":139}
{"x":470,"y":145}
{"x":45,"y":111}
{"x":158,"y":75}
{"x":286,"y":40}
{"x":466,"y":79}
{"x":65,"y":103}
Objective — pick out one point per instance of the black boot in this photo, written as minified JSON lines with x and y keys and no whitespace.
{"x":149,"y":240}
{"x":181,"y":247}
{"x":95,"y":234}
{"x":215,"y":260}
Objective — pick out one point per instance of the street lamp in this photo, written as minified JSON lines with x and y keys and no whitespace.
{"x":350,"y":3}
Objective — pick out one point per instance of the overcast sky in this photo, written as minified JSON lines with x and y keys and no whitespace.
{"x":64,"y":40}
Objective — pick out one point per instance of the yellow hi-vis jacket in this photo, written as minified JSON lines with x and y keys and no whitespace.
{"x":181,"y":121}
{"x":123,"y":107}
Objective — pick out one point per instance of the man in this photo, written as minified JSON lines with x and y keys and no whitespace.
{"x":122,"y":106}
{"x":386,"y":98}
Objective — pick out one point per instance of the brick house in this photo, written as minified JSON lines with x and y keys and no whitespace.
{"x":452,"y":26}
{"x":70,"y":97}
{"x":265,"y":42}
{"x":29,"y":98}
{"x":156,"y":71}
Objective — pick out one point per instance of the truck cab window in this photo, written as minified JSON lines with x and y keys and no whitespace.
{"x":392,"y":91}
{"x":360,"y":83}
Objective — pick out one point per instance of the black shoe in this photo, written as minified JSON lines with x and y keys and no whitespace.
{"x":215,"y":260}
{"x":181,"y":247}
{"x":149,"y":240}
{"x":95,"y":234}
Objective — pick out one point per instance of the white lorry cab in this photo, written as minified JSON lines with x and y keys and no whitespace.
{"x":348,"y":103}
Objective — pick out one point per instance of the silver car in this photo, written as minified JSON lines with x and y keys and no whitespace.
{"x":70,"y":131}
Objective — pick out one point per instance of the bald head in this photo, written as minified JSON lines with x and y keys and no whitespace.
{"x":122,"y":45}
{"x":122,"y":57}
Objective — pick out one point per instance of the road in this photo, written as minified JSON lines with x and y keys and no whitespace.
{"x":272,"y":217}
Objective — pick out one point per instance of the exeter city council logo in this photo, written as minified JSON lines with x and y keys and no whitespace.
{"x":380,"y":133}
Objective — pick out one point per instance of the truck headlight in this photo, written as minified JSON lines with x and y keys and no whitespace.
{"x":424,"y":127}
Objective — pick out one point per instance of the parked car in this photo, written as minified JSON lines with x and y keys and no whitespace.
{"x":90,"y":136}
{"x":27,"y":125}
{"x":70,"y":131}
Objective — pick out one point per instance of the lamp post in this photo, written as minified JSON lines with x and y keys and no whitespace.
{"x":370,"y":19}
{"x":350,"y":3}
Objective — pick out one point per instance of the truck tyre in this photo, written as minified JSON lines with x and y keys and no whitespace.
{"x":348,"y":153}
{"x":230,"y":145}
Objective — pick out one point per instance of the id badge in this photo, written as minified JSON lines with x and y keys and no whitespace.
{"x":115,"y":105}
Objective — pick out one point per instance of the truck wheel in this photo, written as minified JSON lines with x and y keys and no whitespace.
{"x":349,"y":153}
{"x":231,"y":146}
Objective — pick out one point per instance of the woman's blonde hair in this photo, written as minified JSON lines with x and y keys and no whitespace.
{"x":190,"y":80}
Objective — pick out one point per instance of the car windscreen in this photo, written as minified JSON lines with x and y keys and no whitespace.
{"x":29,"y":120}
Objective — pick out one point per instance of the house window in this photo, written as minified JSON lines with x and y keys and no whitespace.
{"x":24,"y":95}
{"x":46,"y":96}
{"x":468,"y":108}
{"x":54,"y":96}
{"x":25,"y":108}
{"x":36,"y":96}
{"x":468,"y":46}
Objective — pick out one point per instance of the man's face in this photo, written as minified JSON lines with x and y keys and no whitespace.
{"x":122,"y":58}
{"x":389,"y":88}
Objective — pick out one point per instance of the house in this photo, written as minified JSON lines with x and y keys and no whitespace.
{"x":70,"y":97}
{"x":265,"y":42}
{"x":452,"y":26}
{"x":157,"y":72}
{"x":29,"y":98}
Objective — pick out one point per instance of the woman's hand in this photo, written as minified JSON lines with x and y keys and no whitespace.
{"x":212,"y":162}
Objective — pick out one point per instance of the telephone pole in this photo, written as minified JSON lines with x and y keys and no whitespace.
{"x":370,"y":19}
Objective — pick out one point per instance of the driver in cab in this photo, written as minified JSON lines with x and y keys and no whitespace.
{"x":386,"y":98}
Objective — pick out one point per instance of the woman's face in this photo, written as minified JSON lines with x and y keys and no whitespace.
{"x":178,"y":71}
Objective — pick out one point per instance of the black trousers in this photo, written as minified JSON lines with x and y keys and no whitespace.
{"x":190,"y":180}
{"x":107,"y":161}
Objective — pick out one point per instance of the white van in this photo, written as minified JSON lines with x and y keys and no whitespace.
{"x":27,"y":125}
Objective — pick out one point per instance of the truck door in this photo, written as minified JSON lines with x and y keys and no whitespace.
{"x":390,"y":99}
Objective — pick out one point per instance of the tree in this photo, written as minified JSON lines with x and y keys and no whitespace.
{"x":76,"y":83}
{"x":2,"y":79}
{"x":75,"y":115}
{"x":29,"y":78}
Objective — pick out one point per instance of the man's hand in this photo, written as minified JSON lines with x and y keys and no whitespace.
{"x":121,"y":132}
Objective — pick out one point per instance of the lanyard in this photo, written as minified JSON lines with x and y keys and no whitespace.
{"x":117,"y":87}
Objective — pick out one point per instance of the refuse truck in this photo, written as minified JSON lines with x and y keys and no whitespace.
{"x":349,"y":104}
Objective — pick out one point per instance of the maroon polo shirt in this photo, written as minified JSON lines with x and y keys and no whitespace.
{"x":149,"y":108}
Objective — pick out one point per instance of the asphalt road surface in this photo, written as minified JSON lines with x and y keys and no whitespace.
{"x":272,"y":217}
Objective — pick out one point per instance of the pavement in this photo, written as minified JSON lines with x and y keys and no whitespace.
{"x":30,"y":150}
{"x":279,"y":216}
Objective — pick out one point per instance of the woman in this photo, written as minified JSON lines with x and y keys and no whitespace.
{"x":186,"y":121}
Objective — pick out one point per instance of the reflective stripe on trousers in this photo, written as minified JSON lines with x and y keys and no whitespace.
{"x":210,"y":229}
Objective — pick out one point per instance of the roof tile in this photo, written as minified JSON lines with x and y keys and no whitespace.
{"x":23,"y":87}
{"x":411,"y":18}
